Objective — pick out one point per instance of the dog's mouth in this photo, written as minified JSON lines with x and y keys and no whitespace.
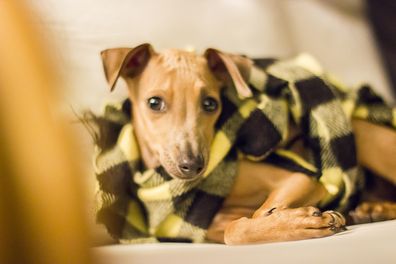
{"x":184,"y":178}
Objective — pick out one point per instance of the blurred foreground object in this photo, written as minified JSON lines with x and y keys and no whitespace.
{"x":41,"y":205}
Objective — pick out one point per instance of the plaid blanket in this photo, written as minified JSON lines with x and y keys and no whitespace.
{"x":147,"y":205}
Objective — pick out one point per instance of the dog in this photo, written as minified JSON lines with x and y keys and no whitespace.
{"x":176,"y":102}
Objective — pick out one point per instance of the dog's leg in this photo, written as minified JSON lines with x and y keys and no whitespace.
{"x":297,"y":190}
{"x":275,"y":220}
{"x":376,"y":148}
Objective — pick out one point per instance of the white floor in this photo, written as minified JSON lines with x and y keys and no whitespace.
{"x":369,"y":243}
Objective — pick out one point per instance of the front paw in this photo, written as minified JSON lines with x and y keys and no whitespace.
{"x":285,"y":225}
{"x":312,"y":219}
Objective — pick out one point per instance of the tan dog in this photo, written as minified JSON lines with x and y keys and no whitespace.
{"x":176,"y":103}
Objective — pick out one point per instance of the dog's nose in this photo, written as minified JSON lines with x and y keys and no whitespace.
{"x":191,"y":167}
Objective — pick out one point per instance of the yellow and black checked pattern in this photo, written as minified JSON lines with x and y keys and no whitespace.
{"x":138,"y":205}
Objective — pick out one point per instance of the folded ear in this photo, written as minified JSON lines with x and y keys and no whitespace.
{"x":231,"y":69}
{"x":125,"y":62}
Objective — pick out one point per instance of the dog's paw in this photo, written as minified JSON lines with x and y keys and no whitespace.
{"x":285,"y":225}
{"x":312,"y":219}
{"x":368,"y":212}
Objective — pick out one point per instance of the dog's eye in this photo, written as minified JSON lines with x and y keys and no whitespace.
{"x":209,"y":104}
{"x":156,"y":104}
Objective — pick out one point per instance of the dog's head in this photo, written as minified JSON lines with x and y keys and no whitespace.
{"x":175,"y":101}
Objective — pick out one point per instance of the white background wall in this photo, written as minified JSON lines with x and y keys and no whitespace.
{"x":335,"y":31}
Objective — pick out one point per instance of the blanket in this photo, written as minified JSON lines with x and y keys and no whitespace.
{"x":137,"y":204}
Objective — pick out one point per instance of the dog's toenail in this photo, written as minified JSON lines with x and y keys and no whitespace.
{"x":338,"y":214}
{"x":317,"y":213}
{"x":271,"y":211}
{"x":333,"y":228}
{"x":333,"y":220}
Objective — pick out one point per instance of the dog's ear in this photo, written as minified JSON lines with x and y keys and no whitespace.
{"x":125,"y":62}
{"x":231,"y":69}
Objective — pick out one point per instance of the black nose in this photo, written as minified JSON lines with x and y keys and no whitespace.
{"x":191,"y":167}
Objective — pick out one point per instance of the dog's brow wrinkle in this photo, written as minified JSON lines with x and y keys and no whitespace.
{"x":188,"y":66}
{"x":180,"y":60}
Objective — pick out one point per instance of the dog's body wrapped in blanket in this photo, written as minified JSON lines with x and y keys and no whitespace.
{"x":147,"y":205}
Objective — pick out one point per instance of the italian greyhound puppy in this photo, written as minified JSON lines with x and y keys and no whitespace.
{"x":176,"y":102}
